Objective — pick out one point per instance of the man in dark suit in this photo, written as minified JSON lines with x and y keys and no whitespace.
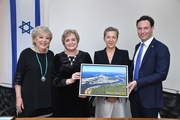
{"x":146,"y":95}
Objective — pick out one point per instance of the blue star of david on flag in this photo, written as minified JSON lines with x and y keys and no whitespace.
{"x":26,"y":27}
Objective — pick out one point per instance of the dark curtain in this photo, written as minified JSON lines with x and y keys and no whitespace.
{"x":171,"y":107}
{"x":7,"y":100}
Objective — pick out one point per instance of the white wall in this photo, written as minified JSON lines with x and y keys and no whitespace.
{"x":5,"y":45}
{"x":91,"y":17}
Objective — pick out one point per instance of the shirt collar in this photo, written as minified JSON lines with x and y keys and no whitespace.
{"x":147,"y":42}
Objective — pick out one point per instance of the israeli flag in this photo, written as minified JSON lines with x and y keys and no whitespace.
{"x":24,"y":16}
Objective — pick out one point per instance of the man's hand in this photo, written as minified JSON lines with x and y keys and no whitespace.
{"x":132,"y":85}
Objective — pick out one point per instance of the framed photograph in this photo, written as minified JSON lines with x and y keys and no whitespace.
{"x":103,"y":80}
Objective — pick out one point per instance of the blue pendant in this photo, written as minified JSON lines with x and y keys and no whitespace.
{"x":43,"y":78}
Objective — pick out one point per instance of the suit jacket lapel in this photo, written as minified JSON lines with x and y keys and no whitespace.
{"x":136,"y":48}
{"x":104,"y":56}
{"x":115,"y":56}
{"x":148,"y":51}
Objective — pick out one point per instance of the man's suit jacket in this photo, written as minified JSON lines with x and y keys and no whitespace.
{"x":154,"y":69}
{"x":121,"y":57}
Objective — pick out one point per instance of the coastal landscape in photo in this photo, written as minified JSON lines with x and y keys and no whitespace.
{"x":103,"y":80}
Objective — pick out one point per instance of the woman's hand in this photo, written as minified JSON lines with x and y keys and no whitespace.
{"x":19,"y":100}
{"x":19,"y":105}
{"x":82,"y":96}
{"x":75,"y":76}
{"x":111,"y":99}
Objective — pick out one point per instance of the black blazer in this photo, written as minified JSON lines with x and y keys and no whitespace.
{"x":120,"y":57}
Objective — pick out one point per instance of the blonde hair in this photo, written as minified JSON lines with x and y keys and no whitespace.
{"x":67,"y":32}
{"x":38,"y":30}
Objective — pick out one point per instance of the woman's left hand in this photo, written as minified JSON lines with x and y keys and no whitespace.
{"x":76,"y":76}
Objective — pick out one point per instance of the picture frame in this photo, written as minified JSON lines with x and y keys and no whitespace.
{"x":7,"y":117}
{"x":103,"y":80}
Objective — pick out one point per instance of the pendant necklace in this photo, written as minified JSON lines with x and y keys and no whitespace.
{"x":43,"y":78}
{"x":71,"y":59}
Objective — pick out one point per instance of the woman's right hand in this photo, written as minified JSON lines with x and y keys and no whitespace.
{"x":19,"y":105}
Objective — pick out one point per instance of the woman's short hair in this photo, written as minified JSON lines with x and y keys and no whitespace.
{"x":38,"y":30}
{"x":68,"y":32}
{"x":111,"y":29}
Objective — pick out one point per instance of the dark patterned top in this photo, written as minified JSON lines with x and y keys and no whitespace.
{"x":68,"y":104}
